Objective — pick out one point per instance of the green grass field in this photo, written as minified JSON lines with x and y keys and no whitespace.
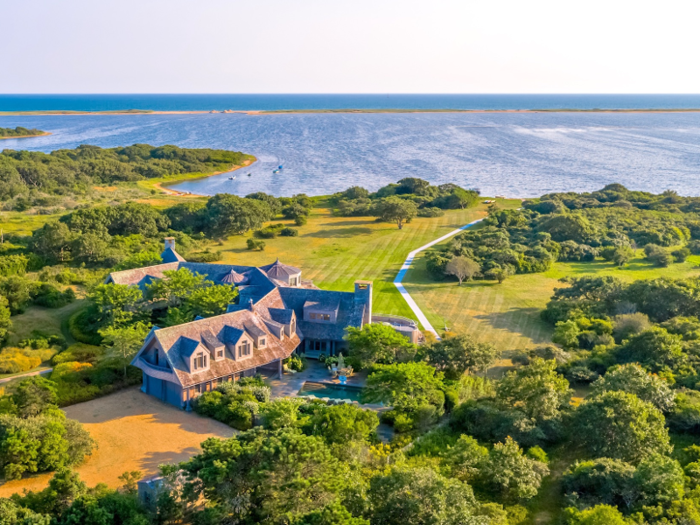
{"x":336,"y":251}
{"x":507,"y":314}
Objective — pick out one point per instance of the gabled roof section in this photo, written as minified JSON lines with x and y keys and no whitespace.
{"x":169,"y":255}
{"x":327,"y":304}
{"x":210,"y":340}
{"x":187,"y":347}
{"x":232,"y":334}
{"x":281,"y":315}
{"x":349,"y":312}
{"x":254,"y":330}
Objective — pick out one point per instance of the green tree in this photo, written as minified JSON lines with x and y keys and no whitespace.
{"x":420,"y":496}
{"x":466,"y":458}
{"x":601,"y":481}
{"x":124,"y":342}
{"x":598,"y":515}
{"x":332,"y":514}
{"x":655,"y":348}
{"x":632,"y":378}
{"x":115,"y":302}
{"x":535,"y":389}
{"x":621,"y":426}
{"x":378,"y":343}
{"x":462,"y":268}
{"x":343,"y":424}
{"x":510,"y":474}
{"x":660,"y":480}
{"x":5,"y":323}
{"x":13,"y":514}
{"x":211,"y":300}
{"x":280,"y":413}
{"x":262,"y":476}
{"x":396,"y":209}
{"x":175,"y":286}
{"x":52,"y":241}
{"x":622,"y":255}
{"x":90,"y":247}
{"x":458,"y":354}
{"x":405,"y":386}
{"x":566,"y":333}
{"x":64,"y":487}
{"x":34,"y":396}
{"x":230,"y":215}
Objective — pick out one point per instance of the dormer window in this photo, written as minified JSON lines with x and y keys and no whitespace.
{"x":262,"y":343}
{"x":320,"y":317}
{"x":244,"y":349}
{"x":200,"y":361}
{"x":219,"y":354}
{"x":293,"y":281}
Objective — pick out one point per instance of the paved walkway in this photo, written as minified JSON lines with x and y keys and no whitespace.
{"x":407,"y":264}
{"x":27,"y":374}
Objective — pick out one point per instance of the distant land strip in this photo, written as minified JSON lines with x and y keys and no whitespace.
{"x":389,"y":110}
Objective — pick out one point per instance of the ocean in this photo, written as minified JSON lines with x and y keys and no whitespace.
{"x":517,"y":155}
{"x":184,"y":102}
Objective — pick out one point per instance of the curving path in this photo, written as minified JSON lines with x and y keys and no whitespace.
{"x":407,"y":264}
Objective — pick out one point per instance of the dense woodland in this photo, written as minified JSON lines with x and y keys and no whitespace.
{"x":32,"y":179}
{"x":19,"y":131}
{"x":466,"y":449}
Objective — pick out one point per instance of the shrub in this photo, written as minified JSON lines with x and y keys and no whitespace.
{"x":16,"y":360}
{"x":289,"y":232}
{"x":255,"y":245}
{"x":681,"y":254}
{"x":204,"y":257}
{"x":83,"y":328}
{"x":694,"y":247}
{"x":296,"y":363}
{"x":430,"y":212}
{"x":301,"y":220}
{"x":51,"y":297}
{"x":79,"y":352}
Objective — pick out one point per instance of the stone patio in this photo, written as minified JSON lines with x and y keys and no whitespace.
{"x":290,"y":384}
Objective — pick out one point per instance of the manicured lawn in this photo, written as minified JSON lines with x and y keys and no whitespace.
{"x":507,"y":314}
{"x":336,"y":251}
{"x":48,"y":321}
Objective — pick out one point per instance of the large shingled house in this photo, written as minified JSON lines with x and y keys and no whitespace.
{"x":277,"y":314}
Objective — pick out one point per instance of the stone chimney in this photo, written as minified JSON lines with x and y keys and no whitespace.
{"x":170,"y":243}
{"x":251,"y":305}
{"x":363,"y":295}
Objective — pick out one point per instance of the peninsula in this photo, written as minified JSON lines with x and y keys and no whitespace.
{"x":20,"y":132}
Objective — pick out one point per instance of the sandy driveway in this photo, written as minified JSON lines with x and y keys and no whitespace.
{"x":133,"y":432}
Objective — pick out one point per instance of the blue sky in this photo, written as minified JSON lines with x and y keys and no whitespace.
{"x":358,"y":46}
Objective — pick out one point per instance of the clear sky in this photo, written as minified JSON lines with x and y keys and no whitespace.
{"x":349,"y":46}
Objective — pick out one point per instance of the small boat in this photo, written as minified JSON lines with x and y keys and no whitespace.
{"x":275,"y":171}
{"x":249,"y":174}
{"x":279,"y":167}
{"x":231,"y":178}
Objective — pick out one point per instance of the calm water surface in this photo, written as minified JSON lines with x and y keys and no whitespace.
{"x":518,"y":155}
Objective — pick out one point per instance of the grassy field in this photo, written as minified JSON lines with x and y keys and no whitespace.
{"x":134,"y":432}
{"x":336,"y":251}
{"x":508,"y":314}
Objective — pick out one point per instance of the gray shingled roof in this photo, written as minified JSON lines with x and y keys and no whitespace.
{"x":169,"y":256}
{"x":280,"y":271}
{"x":349,"y":312}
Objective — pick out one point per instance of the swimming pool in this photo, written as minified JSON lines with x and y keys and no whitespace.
{"x":331,"y":391}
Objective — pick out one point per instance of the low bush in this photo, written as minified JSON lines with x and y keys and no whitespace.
{"x":430,"y":212}
{"x":289,"y":232}
{"x":83,"y":329}
{"x":80,"y":352}
{"x":16,"y":360}
{"x":48,"y":295}
{"x":269,"y":232}
{"x":296,"y":363}
{"x":204,"y":257}
{"x":255,"y":245}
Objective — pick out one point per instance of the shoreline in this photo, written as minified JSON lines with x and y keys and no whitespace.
{"x":348,"y":110}
{"x":46,"y":133}
{"x":164,"y":185}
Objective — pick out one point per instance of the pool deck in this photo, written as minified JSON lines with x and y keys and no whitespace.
{"x":290,"y":384}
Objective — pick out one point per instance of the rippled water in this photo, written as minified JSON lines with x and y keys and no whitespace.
{"x":517,"y":155}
